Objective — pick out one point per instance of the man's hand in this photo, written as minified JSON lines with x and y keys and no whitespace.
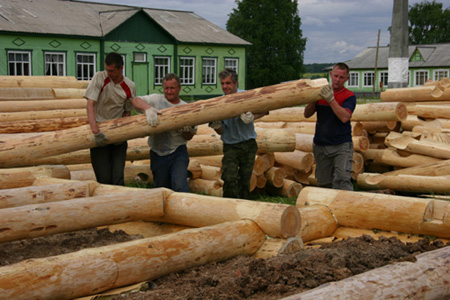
{"x":215,"y":125}
{"x":190,"y":129}
{"x":247,"y":117}
{"x":152,"y":116}
{"x":327,"y":93}
{"x":100,"y":139}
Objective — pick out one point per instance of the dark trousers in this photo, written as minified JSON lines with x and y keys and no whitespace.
{"x":109,"y":162}
{"x":237,"y":167}
{"x":170,"y":171}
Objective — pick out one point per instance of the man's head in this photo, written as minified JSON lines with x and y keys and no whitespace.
{"x":114,"y":66}
{"x":172,"y":88}
{"x":339,"y":75}
{"x":228,"y":81}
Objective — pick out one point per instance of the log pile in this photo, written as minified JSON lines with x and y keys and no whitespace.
{"x":196,"y":229}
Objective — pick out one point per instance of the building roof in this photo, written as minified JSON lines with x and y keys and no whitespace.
{"x":434,"y":56}
{"x":71,"y":17}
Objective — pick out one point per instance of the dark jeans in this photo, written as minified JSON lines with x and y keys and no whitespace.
{"x":170,"y":171}
{"x":237,"y":167}
{"x":109,"y":162}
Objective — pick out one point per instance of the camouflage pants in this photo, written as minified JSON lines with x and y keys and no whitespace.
{"x":237,"y":166}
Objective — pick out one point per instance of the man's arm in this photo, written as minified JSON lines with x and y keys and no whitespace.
{"x":90,"y":108}
{"x":340,"y":112}
{"x":310,"y":109}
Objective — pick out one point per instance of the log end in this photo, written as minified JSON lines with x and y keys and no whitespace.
{"x":290,"y":222}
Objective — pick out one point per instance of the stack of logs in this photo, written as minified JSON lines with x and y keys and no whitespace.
{"x":182,"y":230}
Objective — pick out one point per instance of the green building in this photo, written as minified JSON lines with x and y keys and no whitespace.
{"x":71,"y":38}
{"x":426,"y":62}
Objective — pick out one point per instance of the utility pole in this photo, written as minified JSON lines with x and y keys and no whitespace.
{"x":398,"y":62}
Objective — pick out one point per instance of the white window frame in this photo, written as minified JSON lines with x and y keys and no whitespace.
{"x":209,"y":70}
{"x":232,"y":63}
{"x":160,"y":70}
{"x":366,"y":76}
{"x":384,"y":77}
{"x":353,"y":78}
{"x":89,"y":68}
{"x":24,"y":66}
{"x":138,"y":59}
{"x":187,"y":70}
{"x":420,"y":73}
{"x":51,"y":64}
{"x":437,"y":76}
{"x":124,"y":64}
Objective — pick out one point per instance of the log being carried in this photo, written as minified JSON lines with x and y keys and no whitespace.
{"x":22,"y":152}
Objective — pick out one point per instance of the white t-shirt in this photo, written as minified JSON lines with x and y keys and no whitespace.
{"x":167,"y":142}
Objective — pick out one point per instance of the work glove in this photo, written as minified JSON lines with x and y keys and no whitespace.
{"x":100,"y":139}
{"x":215,"y":125}
{"x":190,"y":129}
{"x":327,"y":93}
{"x":152,"y":116}
{"x":247,"y":117}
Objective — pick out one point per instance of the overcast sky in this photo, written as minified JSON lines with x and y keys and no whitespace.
{"x":336,"y":30}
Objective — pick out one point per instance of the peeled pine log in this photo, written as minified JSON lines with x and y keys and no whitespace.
{"x":41,"y":105}
{"x":263,"y":162}
{"x":412,"y":121}
{"x":275,"y":247}
{"x":379,"y":126}
{"x":302,"y":127}
{"x":42,"y":125}
{"x":206,"y":187}
{"x":416,"y":94}
{"x":275,"y":176}
{"x":405,"y":183}
{"x":304,"y":142}
{"x":146,"y":229}
{"x":289,"y":189}
{"x":261,"y":180}
{"x":426,"y":278}
{"x":23,"y":152}
{"x":94,"y":270}
{"x":42,"y":82}
{"x":210,"y":172}
{"x":276,"y":220}
{"x":395,"y":158}
{"x":42,"y":194}
{"x":357,"y":163}
{"x":45,"y":114}
{"x":253,"y":181}
{"x":441,"y":168}
{"x":360,"y":143}
{"x":429,"y":111}
{"x":380,"y":211}
{"x":8,"y":94}
{"x":36,"y":220}
{"x":68,"y":93}
{"x":317,"y":222}
{"x":297,"y":159}
{"x":20,"y":177}
{"x":363,"y":112}
{"x":424,"y":147}
{"x":212,"y":160}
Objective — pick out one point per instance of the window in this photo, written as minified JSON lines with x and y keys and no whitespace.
{"x":140,"y":57}
{"x":19,"y":63}
{"x":124,"y":64}
{"x":232,"y":63}
{"x":55,"y":64}
{"x":209,"y":71}
{"x":384,"y":79}
{"x":353,"y":81}
{"x":368,"y":79}
{"x":85,"y":66}
{"x":440,"y":74}
{"x":187,"y":70}
{"x":162,"y":67}
{"x":420,"y":77}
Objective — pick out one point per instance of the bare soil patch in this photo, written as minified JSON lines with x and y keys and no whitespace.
{"x":241,"y":277}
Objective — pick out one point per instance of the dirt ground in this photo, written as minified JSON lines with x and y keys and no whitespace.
{"x":241,"y":277}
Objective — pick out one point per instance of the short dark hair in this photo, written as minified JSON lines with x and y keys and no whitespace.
{"x":113,"y":58}
{"x":170,"y":76}
{"x":229,"y":72}
{"x":341,"y":66}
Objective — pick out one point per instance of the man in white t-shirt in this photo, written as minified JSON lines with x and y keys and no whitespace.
{"x":109,"y":97}
{"x":169,"y":158}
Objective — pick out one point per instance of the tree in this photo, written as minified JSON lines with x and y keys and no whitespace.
{"x":429,"y":24}
{"x":273,"y":28}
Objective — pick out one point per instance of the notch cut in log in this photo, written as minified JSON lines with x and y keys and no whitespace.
{"x":22,"y":152}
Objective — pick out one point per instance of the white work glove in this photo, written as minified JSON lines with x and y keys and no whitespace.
{"x":190,"y":129}
{"x":100,"y":139}
{"x":215,"y":125}
{"x":247,"y":117}
{"x":327,"y":93}
{"x":152,"y":116}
